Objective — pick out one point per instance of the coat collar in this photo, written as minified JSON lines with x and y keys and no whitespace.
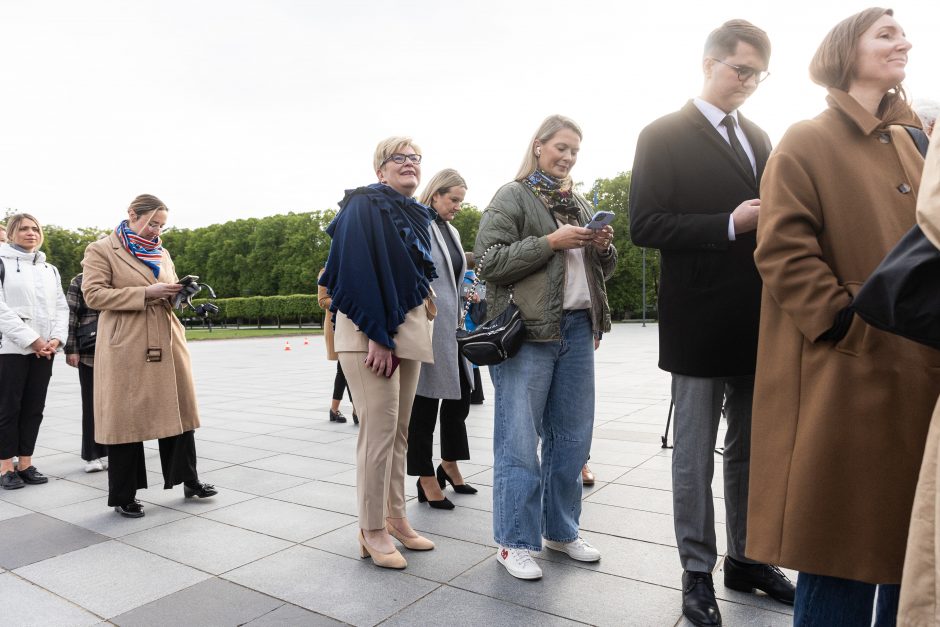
{"x":866,"y":122}
{"x":132,"y":261}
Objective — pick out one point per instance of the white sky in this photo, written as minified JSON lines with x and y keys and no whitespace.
{"x":231,"y":109}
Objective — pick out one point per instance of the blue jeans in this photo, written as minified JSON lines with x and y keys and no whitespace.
{"x":833,"y":602}
{"x":546,"y":391}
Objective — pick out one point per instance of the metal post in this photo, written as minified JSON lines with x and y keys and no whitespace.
{"x":644,"y":287}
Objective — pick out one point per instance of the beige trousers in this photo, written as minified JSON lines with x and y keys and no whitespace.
{"x":384,"y":408}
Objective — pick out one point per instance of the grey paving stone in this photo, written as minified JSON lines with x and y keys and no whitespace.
{"x":56,"y":493}
{"x":217,"y":434}
{"x":323,"y":495}
{"x":315,"y":435}
{"x":471,"y":525}
{"x":577,"y":594}
{"x":90,"y":578}
{"x":107,"y":522}
{"x":60,"y":464}
{"x":28,"y":605}
{"x":36,"y":537}
{"x":210,"y":603}
{"x":223,"y":452}
{"x":9,"y":510}
{"x":205,"y":544}
{"x":280,"y":519}
{"x":250,"y":479}
{"x":174,"y":499}
{"x":449,"y":558}
{"x":353,"y":591}
{"x":459,"y":608}
{"x":636,"y":524}
{"x":300,"y":466}
{"x":274,"y":443}
{"x":645,"y":499}
{"x":289,"y":614}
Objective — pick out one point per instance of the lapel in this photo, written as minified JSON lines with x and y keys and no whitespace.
{"x":445,"y":252}
{"x":133,"y":262}
{"x":704,"y":128}
{"x":759,"y":145}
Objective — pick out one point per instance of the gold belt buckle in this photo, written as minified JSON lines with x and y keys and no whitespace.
{"x":154,"y":354}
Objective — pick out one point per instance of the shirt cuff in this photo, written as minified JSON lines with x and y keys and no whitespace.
{"x":731,"y":236}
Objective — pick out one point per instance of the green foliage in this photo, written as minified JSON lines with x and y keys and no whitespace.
{"x":625,"y":288}
{"x":467,"y":223}
{"x":65,"y":249}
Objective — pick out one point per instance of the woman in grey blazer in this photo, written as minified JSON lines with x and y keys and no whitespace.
{"x":446,"y":384}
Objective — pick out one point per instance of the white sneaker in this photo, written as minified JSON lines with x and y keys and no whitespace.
{"x":579,"y":549}
{"x":104,"y":463}
{"x":519,"y":563}
{"x":94,"y":466}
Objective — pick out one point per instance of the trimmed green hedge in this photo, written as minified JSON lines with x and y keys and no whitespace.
{"x":257,"y":309}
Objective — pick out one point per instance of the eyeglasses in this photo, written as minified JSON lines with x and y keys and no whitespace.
{"x":746,"y":73}
{"x":400,"y":158}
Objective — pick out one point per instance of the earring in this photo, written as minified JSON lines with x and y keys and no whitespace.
{"x":538,"y":153}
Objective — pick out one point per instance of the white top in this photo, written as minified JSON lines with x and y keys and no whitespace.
{"x":32,"y":303}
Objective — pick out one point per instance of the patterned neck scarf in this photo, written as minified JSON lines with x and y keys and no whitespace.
{"x":559,"y":201}
{"x":148,"y":251}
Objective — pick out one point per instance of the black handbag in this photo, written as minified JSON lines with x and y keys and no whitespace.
{"x":86,"y":336}
{"x":496,"y":340}
{"x":902,"y":296}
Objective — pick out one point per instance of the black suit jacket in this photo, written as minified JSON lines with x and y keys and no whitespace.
{"x":685,"y":183}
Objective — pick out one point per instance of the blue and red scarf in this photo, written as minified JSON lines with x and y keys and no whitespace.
{"x":148,"y":251}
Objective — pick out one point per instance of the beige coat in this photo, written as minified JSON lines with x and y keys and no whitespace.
{"x":323,"y":298}
{"x":838,"y":428}
{"x":920,"y":589}
{"x":137,"y":397}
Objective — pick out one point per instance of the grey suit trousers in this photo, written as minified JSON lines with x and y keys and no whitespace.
{"x":698,"y":404}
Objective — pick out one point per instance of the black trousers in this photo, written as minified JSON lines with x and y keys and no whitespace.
{"x":454,"y":444}
{"x":24,"y":381}
{"x":339,"y":384}
{"x":90,"y":449}
{"x":127,"y":468}
{"x":476,"y":396}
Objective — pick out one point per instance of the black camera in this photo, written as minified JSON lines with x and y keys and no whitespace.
{"x":205,"y":310}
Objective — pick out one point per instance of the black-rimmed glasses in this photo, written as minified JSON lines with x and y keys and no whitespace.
{"x":400,"y":158}
{"x":745,"y":73}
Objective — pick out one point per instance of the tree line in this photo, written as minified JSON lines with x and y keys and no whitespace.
{"x":281,"y":255}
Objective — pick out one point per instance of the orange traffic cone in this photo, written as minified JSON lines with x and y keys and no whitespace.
{"x":306,"y":341}
{"x":287,"y":346}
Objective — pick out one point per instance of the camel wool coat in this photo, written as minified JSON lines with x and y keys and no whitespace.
{"x":838,"y":428}
{"x":920,"y":587}
{"x":324,"y":300}
{"x":137,"y":398}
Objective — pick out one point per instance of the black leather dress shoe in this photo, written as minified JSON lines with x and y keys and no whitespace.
{"x":745,"y":577}
{"x":698,"y":599}
{"x":32,"y":476}
{"x":11,"y":481}
{"x":337,"y":416}
{"x":132,"y":510}
{"x":202,"y":490}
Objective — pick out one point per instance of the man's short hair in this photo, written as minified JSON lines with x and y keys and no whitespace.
{"x":723,"y":41}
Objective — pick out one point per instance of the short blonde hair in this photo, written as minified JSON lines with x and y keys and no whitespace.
{"x":13,"y":225}
{"x":441,"y":183}
{"x":550,"y":125}
{"x":389,"y":146}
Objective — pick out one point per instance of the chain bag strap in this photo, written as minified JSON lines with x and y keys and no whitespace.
{"x":476,"y":281}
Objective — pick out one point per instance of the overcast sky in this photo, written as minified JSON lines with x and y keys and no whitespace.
{"x":230,"y":109}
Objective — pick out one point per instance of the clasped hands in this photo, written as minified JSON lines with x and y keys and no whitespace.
{"x":569,"y":236}
{"x":44,"y":348}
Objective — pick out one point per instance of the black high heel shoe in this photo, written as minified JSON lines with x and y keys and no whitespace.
{"x":196,"y":488}
{"x":423,"y":498}
{"x":443,"y":479}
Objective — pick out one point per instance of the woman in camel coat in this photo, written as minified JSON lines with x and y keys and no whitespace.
{"x":840,"y":409}
{"x":920,"y":587}
{"x":143,"y":378}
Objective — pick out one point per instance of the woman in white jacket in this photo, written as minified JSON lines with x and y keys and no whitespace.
{"x":34,"y":320}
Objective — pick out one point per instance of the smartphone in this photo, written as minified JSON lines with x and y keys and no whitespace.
{"x":189,"y":279}
{"x":395,"y":362}
{"x":600,"y":220}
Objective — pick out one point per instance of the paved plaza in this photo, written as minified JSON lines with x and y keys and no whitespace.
{"x":278,"y":546}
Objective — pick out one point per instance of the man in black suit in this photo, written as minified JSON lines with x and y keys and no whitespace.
{"x":694,"y":196}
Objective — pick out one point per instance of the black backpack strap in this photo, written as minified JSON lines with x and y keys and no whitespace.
{"x":920,"y":139}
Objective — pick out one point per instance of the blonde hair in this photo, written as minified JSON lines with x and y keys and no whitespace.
{"x":441,"y":183}
{"x":389,"y":146}
{"x":833,"y":65}
{"x":13,"y":225}
{"x":550,"y":125}
{"x":146,"y":203}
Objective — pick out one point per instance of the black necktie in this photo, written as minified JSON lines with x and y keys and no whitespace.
{"x":728,"y":123}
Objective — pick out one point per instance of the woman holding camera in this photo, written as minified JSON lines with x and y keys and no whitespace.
{"x":143,"y":379}
{"x":450,"y":376}
{"x":33,"y":325}
{"x":379,"y":274}
{"x":535,"y":249}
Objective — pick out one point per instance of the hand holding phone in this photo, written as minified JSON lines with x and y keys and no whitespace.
{"x":600,"y":220}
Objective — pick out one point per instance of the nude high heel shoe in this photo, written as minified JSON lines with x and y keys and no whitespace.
{"x":385,"y":560}
{"x":418,"y":543}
